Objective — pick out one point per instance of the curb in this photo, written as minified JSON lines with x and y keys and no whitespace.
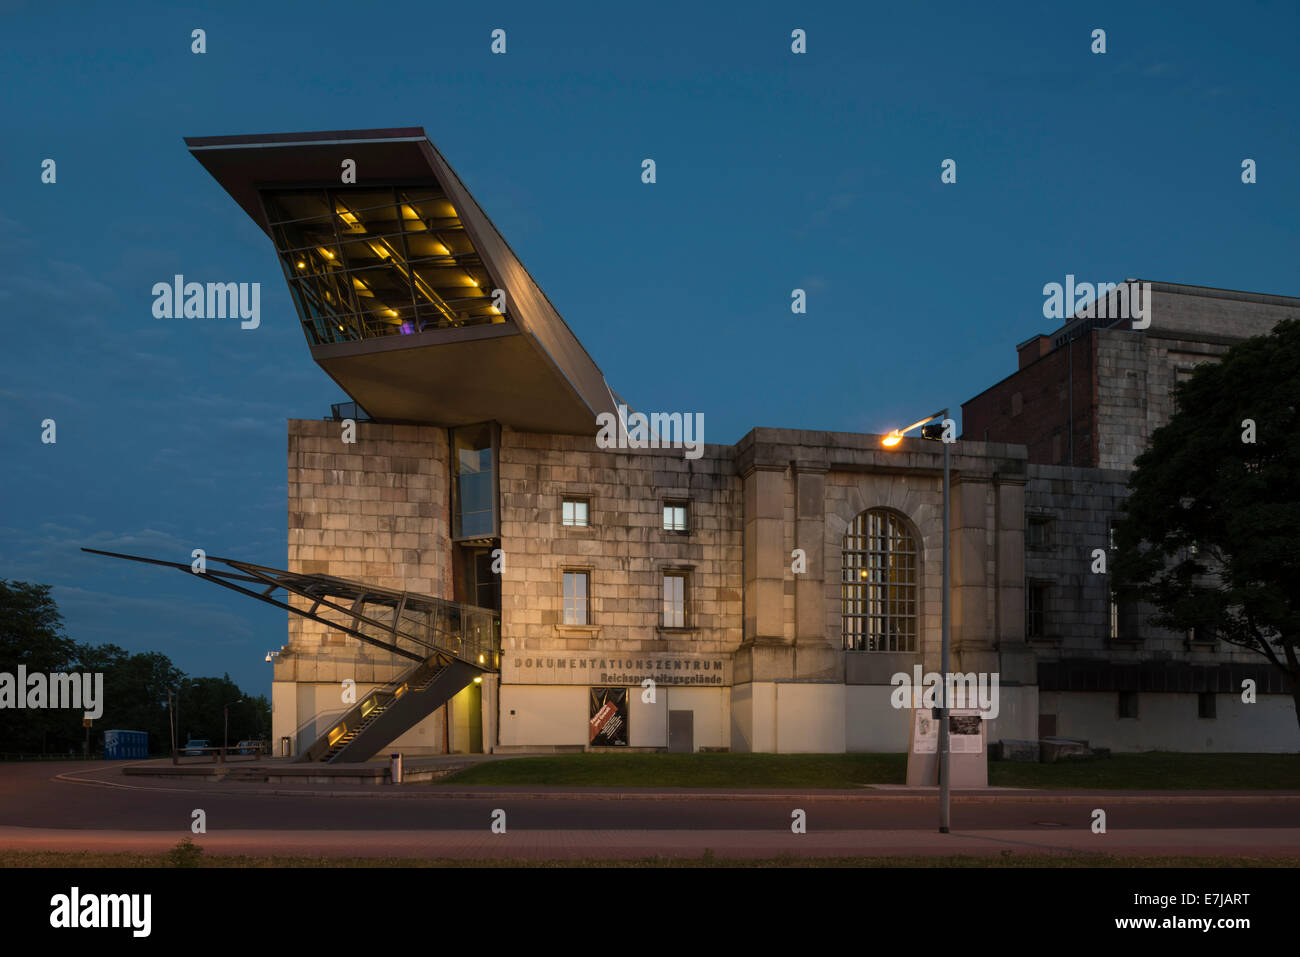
{"x":386,"y":792}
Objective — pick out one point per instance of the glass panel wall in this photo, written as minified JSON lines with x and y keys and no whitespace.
{"x":363,"y":263}
{"x":474,"y":486}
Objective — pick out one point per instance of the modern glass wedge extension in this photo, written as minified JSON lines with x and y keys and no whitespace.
{"x":364,"y":263}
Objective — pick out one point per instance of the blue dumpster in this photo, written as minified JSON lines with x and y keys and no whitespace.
{"x":120,"y":745}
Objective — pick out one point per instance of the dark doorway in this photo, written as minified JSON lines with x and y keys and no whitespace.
{"x":476,"y":582}
{"x":681,"y":732}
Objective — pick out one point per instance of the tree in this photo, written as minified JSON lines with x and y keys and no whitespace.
{"x":31,"y":635}
{"x":135,"y":685}
{"x":203,"y":711}
{"x":135,"y":689}
{"x":1211,"y":535}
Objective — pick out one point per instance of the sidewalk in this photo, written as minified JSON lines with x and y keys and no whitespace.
{"x":611,"y":844}
{"x":114,"y":777}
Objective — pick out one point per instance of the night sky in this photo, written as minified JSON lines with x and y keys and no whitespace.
{"x":775,"y":171}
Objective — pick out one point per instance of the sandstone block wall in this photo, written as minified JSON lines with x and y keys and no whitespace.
{"x":375,"y":511}
{"x":625,"y":550}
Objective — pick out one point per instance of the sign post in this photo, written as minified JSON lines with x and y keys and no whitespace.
{"x":967,"y":748}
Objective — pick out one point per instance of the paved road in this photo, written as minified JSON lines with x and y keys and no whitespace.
{"x":56,"y":804}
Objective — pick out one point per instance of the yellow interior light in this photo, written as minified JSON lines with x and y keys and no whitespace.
{"x":302,"y":265}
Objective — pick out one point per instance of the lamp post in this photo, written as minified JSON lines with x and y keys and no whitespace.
{"x":171,"y":719}
{"x":889,"y":441}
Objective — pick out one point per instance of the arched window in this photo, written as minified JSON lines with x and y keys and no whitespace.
{"x":879,"y":583}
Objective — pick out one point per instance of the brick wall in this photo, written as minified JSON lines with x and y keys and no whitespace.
{"x":1033,"y":407}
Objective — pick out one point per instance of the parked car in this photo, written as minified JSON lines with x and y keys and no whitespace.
{"x":194,"y":746}
{"x":252,"y":746}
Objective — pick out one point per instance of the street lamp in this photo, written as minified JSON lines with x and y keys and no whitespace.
{"x":930,"y":429}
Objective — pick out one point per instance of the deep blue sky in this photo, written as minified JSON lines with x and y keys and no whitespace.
{"x":775,"y":171}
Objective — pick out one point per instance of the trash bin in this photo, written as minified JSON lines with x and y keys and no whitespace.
{"x":395,"y":768}
{"x":285,"y":748}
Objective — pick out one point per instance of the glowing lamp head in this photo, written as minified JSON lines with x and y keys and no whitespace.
{"x":892,"y":439}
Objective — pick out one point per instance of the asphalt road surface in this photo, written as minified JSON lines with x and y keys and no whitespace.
{"x":79,"y":795}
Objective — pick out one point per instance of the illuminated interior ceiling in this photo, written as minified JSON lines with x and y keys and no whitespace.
{"x":395,"y":280}
{"x":362,"y":263}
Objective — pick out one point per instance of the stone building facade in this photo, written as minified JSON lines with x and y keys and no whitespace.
{"x":759,"y":661}
{"x":763,"y":596}
{"x":1093,"y":395}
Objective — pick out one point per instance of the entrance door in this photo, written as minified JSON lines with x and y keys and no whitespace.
{"x":681,"y":732}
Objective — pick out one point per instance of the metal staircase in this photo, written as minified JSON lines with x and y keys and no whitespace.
{"x":448,"y":643}
{"x":387,"y":712}
{"x":343,"y":742}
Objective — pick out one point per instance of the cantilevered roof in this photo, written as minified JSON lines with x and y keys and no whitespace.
{"x":393,"y":277}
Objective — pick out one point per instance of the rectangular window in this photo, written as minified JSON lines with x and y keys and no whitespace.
{"x":473,"y":463}
{"x":576,"y":605}
{"x":1037,"y":532}
{"x":1125,"y":621}
{"x":1128,"y":704}
{"x":674,"y":600}
{"x":574,"y":512}
{"x":1206,"y":705}
{"x":675,"y":516}
{"x":1036,"y":609}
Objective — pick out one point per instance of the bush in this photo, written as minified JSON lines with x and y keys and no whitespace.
{"x":185,"y":854}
